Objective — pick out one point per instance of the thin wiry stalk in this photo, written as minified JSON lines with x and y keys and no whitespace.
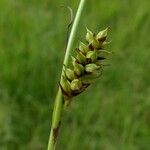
{"x":58,"y":106}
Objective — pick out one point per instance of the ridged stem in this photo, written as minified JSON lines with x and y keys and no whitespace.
{"x":58,"y":106}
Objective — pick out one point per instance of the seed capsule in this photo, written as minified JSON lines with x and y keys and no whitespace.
{"x":92,"y":55}
{"x":73,"y":60}
{"x":95,"y":43}
{"x":106,"y":43}
{"x":101,"y":36}
{"x":89,"y":78}
{"x":65,"y":86}
{"x":89,"y":35}
{"x":103,"y":53}
{"x":91,"y":68}
{"x":83,"y":48}
{"x":80,"y":57}
{"x":69,"y":74}
{"x":76,"y":84}
{"x":78,"y":69}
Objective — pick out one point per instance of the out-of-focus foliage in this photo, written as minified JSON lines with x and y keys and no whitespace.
{"x":113,"y":114}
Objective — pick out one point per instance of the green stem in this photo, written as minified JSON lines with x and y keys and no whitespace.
{"x":58,"y":106}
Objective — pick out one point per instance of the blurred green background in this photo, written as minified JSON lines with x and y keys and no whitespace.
{"x":113,"y":114}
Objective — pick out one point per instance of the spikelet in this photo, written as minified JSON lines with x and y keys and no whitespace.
{"x":87,"y":64}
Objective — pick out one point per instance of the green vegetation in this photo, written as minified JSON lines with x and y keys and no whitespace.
{"x":113,"y":114}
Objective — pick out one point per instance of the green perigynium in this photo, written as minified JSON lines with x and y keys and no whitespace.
{"x":87,"y":64}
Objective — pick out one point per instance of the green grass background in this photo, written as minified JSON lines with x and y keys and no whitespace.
{"x":113,"y":114}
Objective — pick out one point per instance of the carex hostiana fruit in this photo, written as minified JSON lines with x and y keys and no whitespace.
{"x":87,"y":64}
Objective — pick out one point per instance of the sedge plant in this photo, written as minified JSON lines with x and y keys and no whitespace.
{"x":86,"y":66}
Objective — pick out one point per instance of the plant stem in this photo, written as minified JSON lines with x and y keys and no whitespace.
{"x":58,"y":106}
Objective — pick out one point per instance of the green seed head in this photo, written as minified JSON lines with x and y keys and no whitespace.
{"x":95,"y":43}
{"x":91,"y":68}
{"x":65,"y":85}
{"x":103,"y":54}
{"x":75,"y":85}
{"x":101,"y":36}
{"x":73,"y":61}
{"x":80,"y":57}
{"x":91,"y":77}
{"x":92,"y":55}
{"x":87,"y":64}
{"x":78,"y":69}
{"x":83,"y":48}
{"x":69,"y":74}
{"x":89,"y":36}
